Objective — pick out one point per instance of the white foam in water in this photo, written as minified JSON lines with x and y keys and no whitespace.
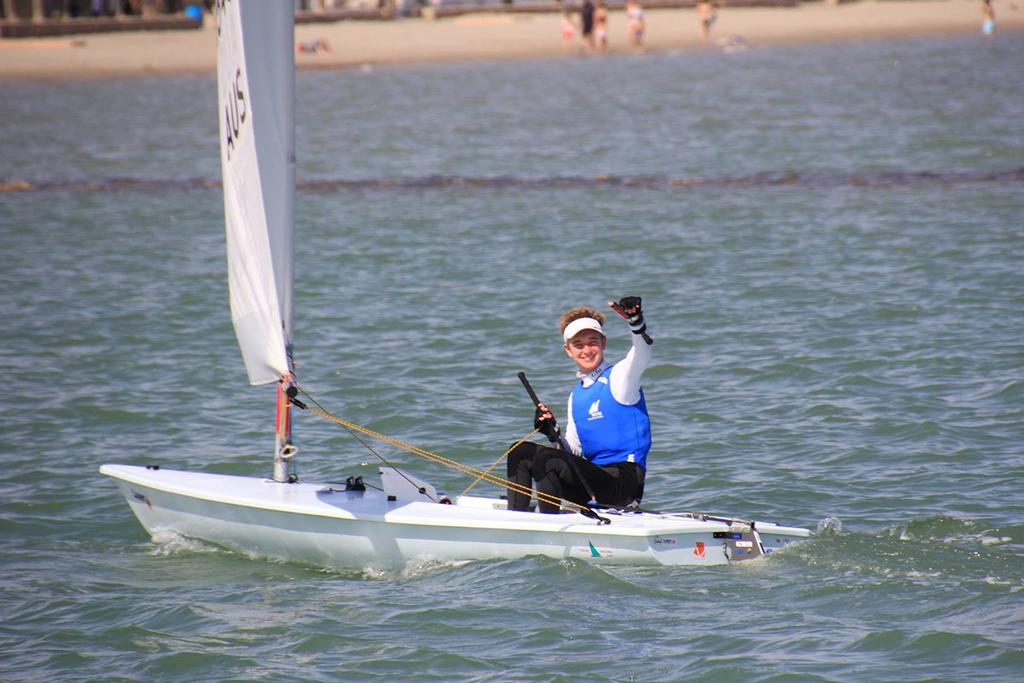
{"x":996,"y":581}
{"x":829,"y":525}
{"x":167,"y":542}
{"x":411,"y":570}
{"x":992,"y":540}
{"x":424,"y":567}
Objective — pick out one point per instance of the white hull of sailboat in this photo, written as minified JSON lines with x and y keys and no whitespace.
{"x":327,"y":526}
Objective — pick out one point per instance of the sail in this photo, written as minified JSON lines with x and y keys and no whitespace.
{"x":256,"y":93}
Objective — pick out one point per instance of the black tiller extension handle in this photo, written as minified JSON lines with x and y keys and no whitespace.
{"x":569,"y":456}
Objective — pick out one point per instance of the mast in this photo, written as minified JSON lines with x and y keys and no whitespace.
{"x":256,"y":107}
{"x":284,"y":449}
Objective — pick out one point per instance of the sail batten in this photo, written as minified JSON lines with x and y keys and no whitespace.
{"x":256,"y":85}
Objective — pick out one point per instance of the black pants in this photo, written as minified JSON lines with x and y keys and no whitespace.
{"x":618,"y":484}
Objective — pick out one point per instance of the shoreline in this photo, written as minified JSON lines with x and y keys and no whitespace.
{"x":496,"y":36}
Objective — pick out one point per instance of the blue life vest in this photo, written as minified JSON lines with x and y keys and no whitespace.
{"x":609,"y":431}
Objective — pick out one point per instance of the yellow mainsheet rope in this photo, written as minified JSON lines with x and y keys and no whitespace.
{"x":495,"y":464}
{"x":481,"y":475}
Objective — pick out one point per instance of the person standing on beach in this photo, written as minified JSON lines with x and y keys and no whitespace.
{"x":568,"y":30}
{"x":988,"y":14}
{"x":635,"y":24}
{"x":707,"y":14}
{"x":587,"y":24}
{"x":603,"y":452}
{"x":601,"y":26}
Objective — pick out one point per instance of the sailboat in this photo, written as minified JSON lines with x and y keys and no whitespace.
{"x":353,"y":524}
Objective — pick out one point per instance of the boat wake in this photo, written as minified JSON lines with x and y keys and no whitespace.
{"x":921,"y":550}
{"x":953,"y":531}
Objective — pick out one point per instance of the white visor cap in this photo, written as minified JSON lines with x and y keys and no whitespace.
{"x":580,"y":324}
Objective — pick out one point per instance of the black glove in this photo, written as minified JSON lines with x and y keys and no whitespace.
{"x":631,"y":308}
{"x":548,"y":427}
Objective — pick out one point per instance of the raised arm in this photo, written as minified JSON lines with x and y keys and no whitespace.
{"x":625,"y":376}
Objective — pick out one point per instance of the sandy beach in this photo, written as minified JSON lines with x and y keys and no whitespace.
{"x":497,"y":36}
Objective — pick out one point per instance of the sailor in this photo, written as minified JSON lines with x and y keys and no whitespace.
{"x":602,"y":456}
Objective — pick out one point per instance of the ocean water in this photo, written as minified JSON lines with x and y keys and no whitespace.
{"x":829,"y":241}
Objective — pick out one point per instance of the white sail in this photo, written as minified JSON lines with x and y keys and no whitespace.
{"x":256,"y":86}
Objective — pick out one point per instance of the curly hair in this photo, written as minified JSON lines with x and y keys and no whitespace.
{"x":576,"y":314}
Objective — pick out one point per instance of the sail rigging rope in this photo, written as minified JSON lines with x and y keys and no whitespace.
{"x":481,"y":475}
{"x":495,"y":463}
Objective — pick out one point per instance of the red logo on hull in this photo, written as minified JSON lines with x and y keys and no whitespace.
{"x":699,"y":550}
